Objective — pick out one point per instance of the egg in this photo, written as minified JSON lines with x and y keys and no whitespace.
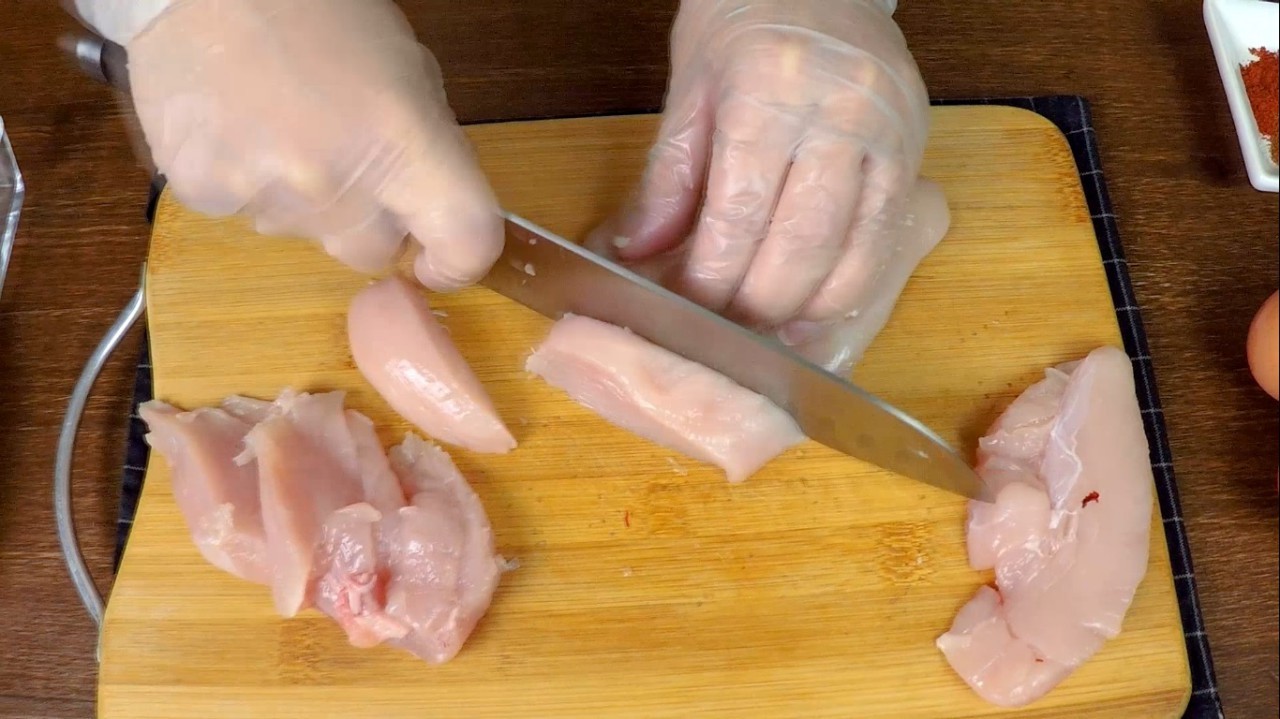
{"x":1263,"y":346}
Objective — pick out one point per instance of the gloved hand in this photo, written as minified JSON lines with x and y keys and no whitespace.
{"x":791,"y":140}
{"x":323,"y":119}
{"x":839,"y":346}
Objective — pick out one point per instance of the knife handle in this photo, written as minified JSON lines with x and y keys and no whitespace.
{"x":99,"y":58}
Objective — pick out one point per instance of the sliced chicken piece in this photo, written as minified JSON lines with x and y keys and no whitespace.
{"x":352,"y":585}
{"x":248,"y":409}
{"x":1068,"y":534}
{"x":217,"y":497}
{"x":380,"y":485}
{"x":1001,"y":668}
{"x":406,"y":355}
{"x":442,"y":566}
{"x":310,"y":466}
{"x":307,"y":501}
{"x":663,"y":397}
{"x":419,"y":577}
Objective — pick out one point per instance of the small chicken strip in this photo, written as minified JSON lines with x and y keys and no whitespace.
{"x":663,"y":397}
{"x":311,"y":463}
{"x":352,"y":583}
{"x":1068,"y":534}
{"x":218,"y":498}
{"x":419,"y":577}
{"x":406,"y":355}
{"x":298,"y":494}
{"x":440,"y":554}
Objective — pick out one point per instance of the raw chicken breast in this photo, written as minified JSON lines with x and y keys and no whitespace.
{"x":1068,"y":534}
{"x":663,"y":397}
{"x":217,"y":497}
{"x":380,"y":485}
{"x":440,"y":556}
{"x":248,"y":409}
{"x":299,"y":495}
{"x":310,"y":465}
{"x":1000,"y":667}
{"x":406,"y":355}
{"x":419,"y":577}
{"x":352,"y":585}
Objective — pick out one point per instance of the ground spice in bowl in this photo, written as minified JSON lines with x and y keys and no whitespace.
{"x":1262,"y":84}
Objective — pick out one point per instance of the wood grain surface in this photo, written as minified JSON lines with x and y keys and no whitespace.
{"x":648,"y":585}
{"x":1201,"y":245}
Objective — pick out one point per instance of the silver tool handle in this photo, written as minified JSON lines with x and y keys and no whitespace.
{"x":62,"y":504}
{"x":104,"y":61}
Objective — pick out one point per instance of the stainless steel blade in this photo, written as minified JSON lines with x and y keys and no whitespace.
{"x":553,"y":277}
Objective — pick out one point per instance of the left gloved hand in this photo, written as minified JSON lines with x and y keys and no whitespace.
{"x":323,"y":119}
{"x":792,"y":138}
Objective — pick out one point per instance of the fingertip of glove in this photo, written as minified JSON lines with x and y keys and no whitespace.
{"x":458,"y":249}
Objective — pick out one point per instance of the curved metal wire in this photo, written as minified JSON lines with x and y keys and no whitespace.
{"x":63,"y":514}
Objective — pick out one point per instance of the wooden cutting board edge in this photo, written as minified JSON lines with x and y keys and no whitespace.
{"x":1016,"y":116}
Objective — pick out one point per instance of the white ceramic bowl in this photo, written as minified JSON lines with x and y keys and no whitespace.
{"x":1234,"y":27}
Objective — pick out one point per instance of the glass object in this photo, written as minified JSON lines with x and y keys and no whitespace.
{"x":11,"y":193}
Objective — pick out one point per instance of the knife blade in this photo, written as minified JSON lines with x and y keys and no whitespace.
{"x":554,"y":277}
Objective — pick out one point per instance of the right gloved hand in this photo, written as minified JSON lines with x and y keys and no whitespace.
{"x":323,"y":119}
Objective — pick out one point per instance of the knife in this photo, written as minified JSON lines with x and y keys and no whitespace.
{"x":554,"y":276}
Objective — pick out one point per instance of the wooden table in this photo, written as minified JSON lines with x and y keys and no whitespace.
{"x":1202,"y":246}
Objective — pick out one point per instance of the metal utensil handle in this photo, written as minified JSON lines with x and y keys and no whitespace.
{"x":102,"y":61}
{"x":63,"y":513}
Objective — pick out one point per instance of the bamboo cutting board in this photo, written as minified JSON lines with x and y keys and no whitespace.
{"x":648,"y":586}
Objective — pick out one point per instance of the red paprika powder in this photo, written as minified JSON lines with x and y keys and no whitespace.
{"x":1262,"y":83}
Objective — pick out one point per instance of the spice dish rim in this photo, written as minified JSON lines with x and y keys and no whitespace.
{"x":1227,"y":48}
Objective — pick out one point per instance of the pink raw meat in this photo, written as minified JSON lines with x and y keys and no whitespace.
{"x":440,"y":554}
{"x":663,"y":397}
{"x":217,"y":497}
{"x":309,"y":461}
{"x":351,"y":588}
{"x":406,"y":355}
{"x":1068,"y":534}
{"x":307,"y":501}
{"x":1000,"y":667}
{"x":419,"y":577}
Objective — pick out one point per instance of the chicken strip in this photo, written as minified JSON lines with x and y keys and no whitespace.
{"x":218,"y":498}
{"x":440,"y":554}
{"x":1068,"y":534}
{"x":298,"y":494}
{"x":406,"y":355}
{"x":352,"y":585}
{"x":419,"y":577}
{"x":663,"y":397}
{"x":310,"y":464}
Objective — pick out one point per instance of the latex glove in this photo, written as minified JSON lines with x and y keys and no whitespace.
{"x":324,"y":119}
{"x":839,"y":346}
{"x":792,"y":136}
